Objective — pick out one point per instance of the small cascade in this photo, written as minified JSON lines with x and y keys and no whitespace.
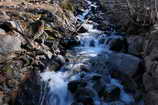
{"x":92,"y":43}
{"x":58,"y":93}
{"x":89,"y":45}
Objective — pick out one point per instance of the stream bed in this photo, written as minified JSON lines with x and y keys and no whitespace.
{"x":86,"y":78}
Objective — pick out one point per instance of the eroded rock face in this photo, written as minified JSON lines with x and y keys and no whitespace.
{"x":150,"y":78}
{"x":135,"y":45}
{"x":124,"y":63}
{"x":117,"y":14}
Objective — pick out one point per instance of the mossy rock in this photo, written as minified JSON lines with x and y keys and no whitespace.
{"x":7,"y":68}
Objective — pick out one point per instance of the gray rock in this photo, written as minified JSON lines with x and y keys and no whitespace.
{"x":1,"y":100}
{"x":125,"y":63}
{"x":117,"y":43}
{"x":135,"y":45}
{"x":60,"y":59}
{"x":55,"y":66}
{"x":9,"y":44}
{"x":151,"y":98}
{"x":74,"y":85}
{"x":85,"y":92}
{"x":98,"y":85}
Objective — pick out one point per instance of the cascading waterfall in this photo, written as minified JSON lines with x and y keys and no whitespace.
{"x":90,"y":47}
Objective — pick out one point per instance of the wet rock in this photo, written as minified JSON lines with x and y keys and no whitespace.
{"x":80,"y":67}
{"x":100,"y":65}
{"x":82,"y":30}
{"x":117,"y":44}
{"x":69,"y":42}
{"x":115,"y":93}
{"x":125,"y":63}
{"x":85,"y":93}
{"x":55,"y":63}
{"x":135,"y":45}
{"x":73,"y":86}
{"x":130,"y":86}
{"x":86,"y":100}
{"x":60,"y":59}
{"x":96,"y":77}
{"x":111,"y":95}
{"x":54,"y":66}
{"x":92,"y":43}
{"x":128,"y":82}
{"x":98,"y":84}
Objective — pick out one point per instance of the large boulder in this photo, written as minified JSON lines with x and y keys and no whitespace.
{"x":121,"y":62}
{"x":9,"y":43}
{"x":150,"y":78}
{"x":125,"y":63}
{"x":117,"y":43}
{"x":135,"y":45}
{"x":101,"y":65}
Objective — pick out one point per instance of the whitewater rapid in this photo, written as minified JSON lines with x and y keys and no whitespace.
{"x":90,"y":46}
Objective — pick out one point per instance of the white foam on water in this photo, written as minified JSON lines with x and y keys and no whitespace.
{"x":91,"y":29}
{"x":90,"y":45}
{"x":58,"y":93}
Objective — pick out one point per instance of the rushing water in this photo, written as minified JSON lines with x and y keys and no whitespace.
{"x":90,"y":47}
